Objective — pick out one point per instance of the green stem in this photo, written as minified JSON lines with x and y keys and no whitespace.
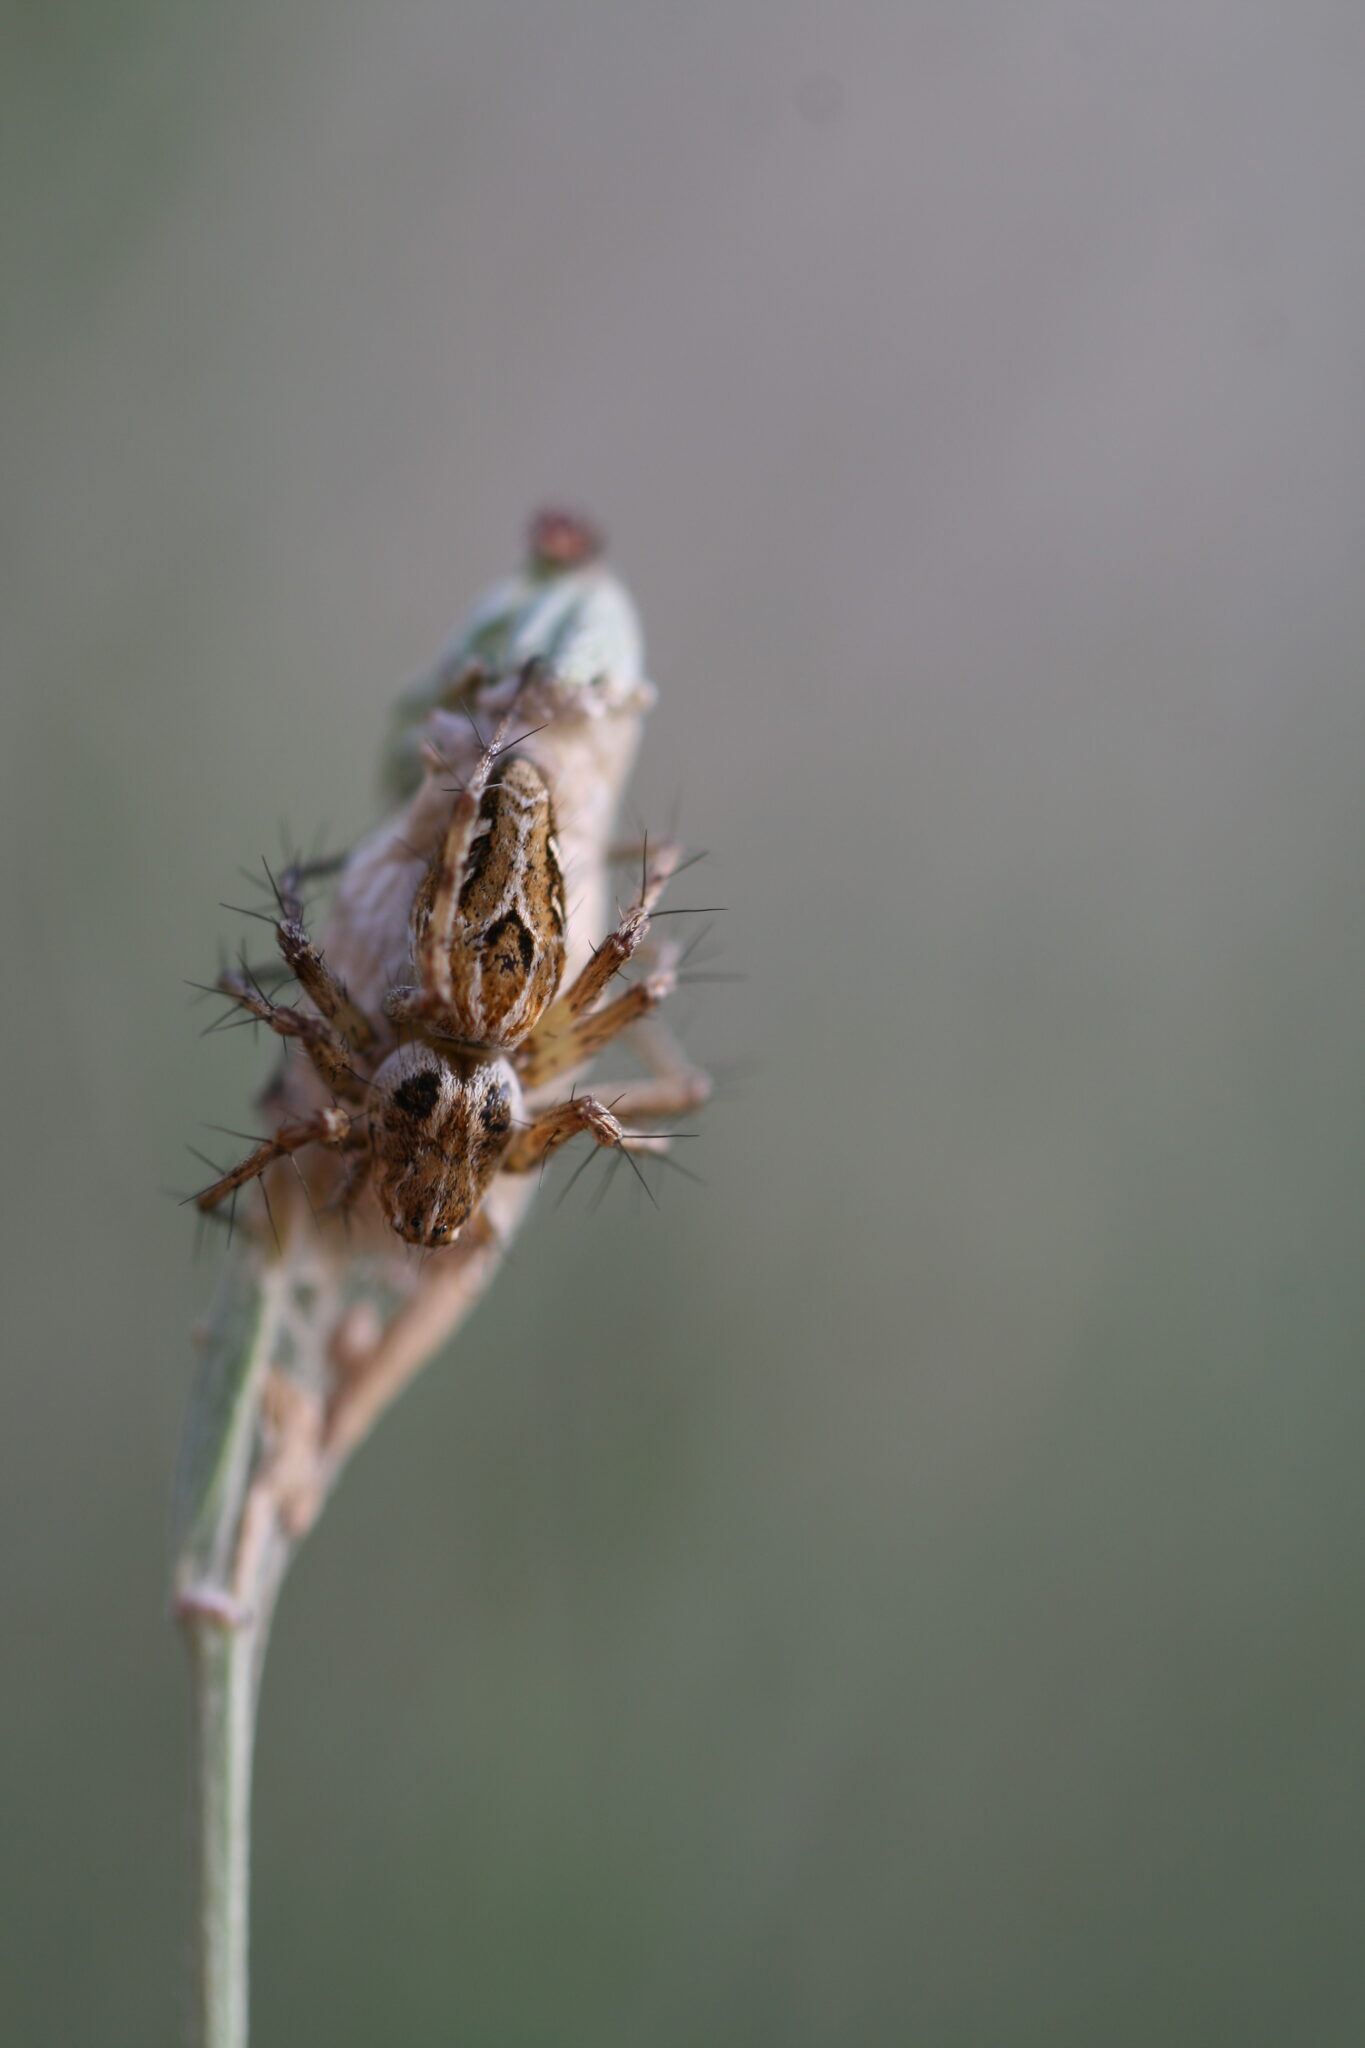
{"x":224,"y":1634}
{"x":223,"y":1658}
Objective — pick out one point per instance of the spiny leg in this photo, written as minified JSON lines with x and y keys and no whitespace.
{"x":305,"y":960}
{"x":323,"y":1045}
{"x":622,"y":945}
{"x":580,"y":1039}
{"x":331,"y":1126}
{"x":572,"y":1030}
{"x":686,"y":1091}
{"x":554,"y":1127}
{"x":676,"y":1094}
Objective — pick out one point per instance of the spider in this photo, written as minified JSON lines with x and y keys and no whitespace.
{"x":429,"y":1098}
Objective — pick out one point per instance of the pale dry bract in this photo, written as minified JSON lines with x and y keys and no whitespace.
{"x":461,"y":986}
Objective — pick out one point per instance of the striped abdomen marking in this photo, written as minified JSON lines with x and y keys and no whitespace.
{"x":507,"y":948}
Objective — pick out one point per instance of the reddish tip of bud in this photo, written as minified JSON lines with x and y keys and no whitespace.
{"x":559,"y":541}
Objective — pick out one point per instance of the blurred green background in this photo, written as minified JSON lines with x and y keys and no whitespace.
{"x":909,"y":1590}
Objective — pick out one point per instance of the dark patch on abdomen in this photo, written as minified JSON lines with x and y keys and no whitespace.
{"x":500,"y":938}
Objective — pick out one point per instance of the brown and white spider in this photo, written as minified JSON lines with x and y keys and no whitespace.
{"x":445,"y":1086}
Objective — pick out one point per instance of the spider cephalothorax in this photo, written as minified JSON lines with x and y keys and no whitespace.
{"x":437,"y":1137}
{"x":430,"y":1096}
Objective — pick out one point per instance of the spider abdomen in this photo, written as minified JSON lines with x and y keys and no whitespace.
{"x":507,"y":947}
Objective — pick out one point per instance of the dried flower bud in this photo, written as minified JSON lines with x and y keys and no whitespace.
{"x":566,"y":612}
{"x":557,"y":540}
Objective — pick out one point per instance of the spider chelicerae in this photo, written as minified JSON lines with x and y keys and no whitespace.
{"x":453,"y":1081}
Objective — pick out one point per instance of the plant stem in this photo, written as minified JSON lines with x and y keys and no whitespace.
{"x":223,"y":1659}
{"x":224,"y":1635}
{"x":305,"y":1347}
{"x":260,"y":1455}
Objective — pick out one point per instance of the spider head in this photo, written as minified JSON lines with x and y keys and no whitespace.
{"x":437,"y":1136}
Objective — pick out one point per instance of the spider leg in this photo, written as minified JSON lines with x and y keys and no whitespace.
{"x":309,"y":869}
{"x":306,"y":963}
{"x":573,"y":1029}
{"x":621,"y":945}
{"x":659,"y":1052}
{"x":686,"y":1090}
{"x":576,"y":1040}
{"x":324,"y":1046}
{"x":554,"y":1127}
{"x":676,"y":1089}
{"x":458,"y":682}
{"x":330,"y":1126}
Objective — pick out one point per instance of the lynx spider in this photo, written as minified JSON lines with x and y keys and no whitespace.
{"x":429,"y":1098}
